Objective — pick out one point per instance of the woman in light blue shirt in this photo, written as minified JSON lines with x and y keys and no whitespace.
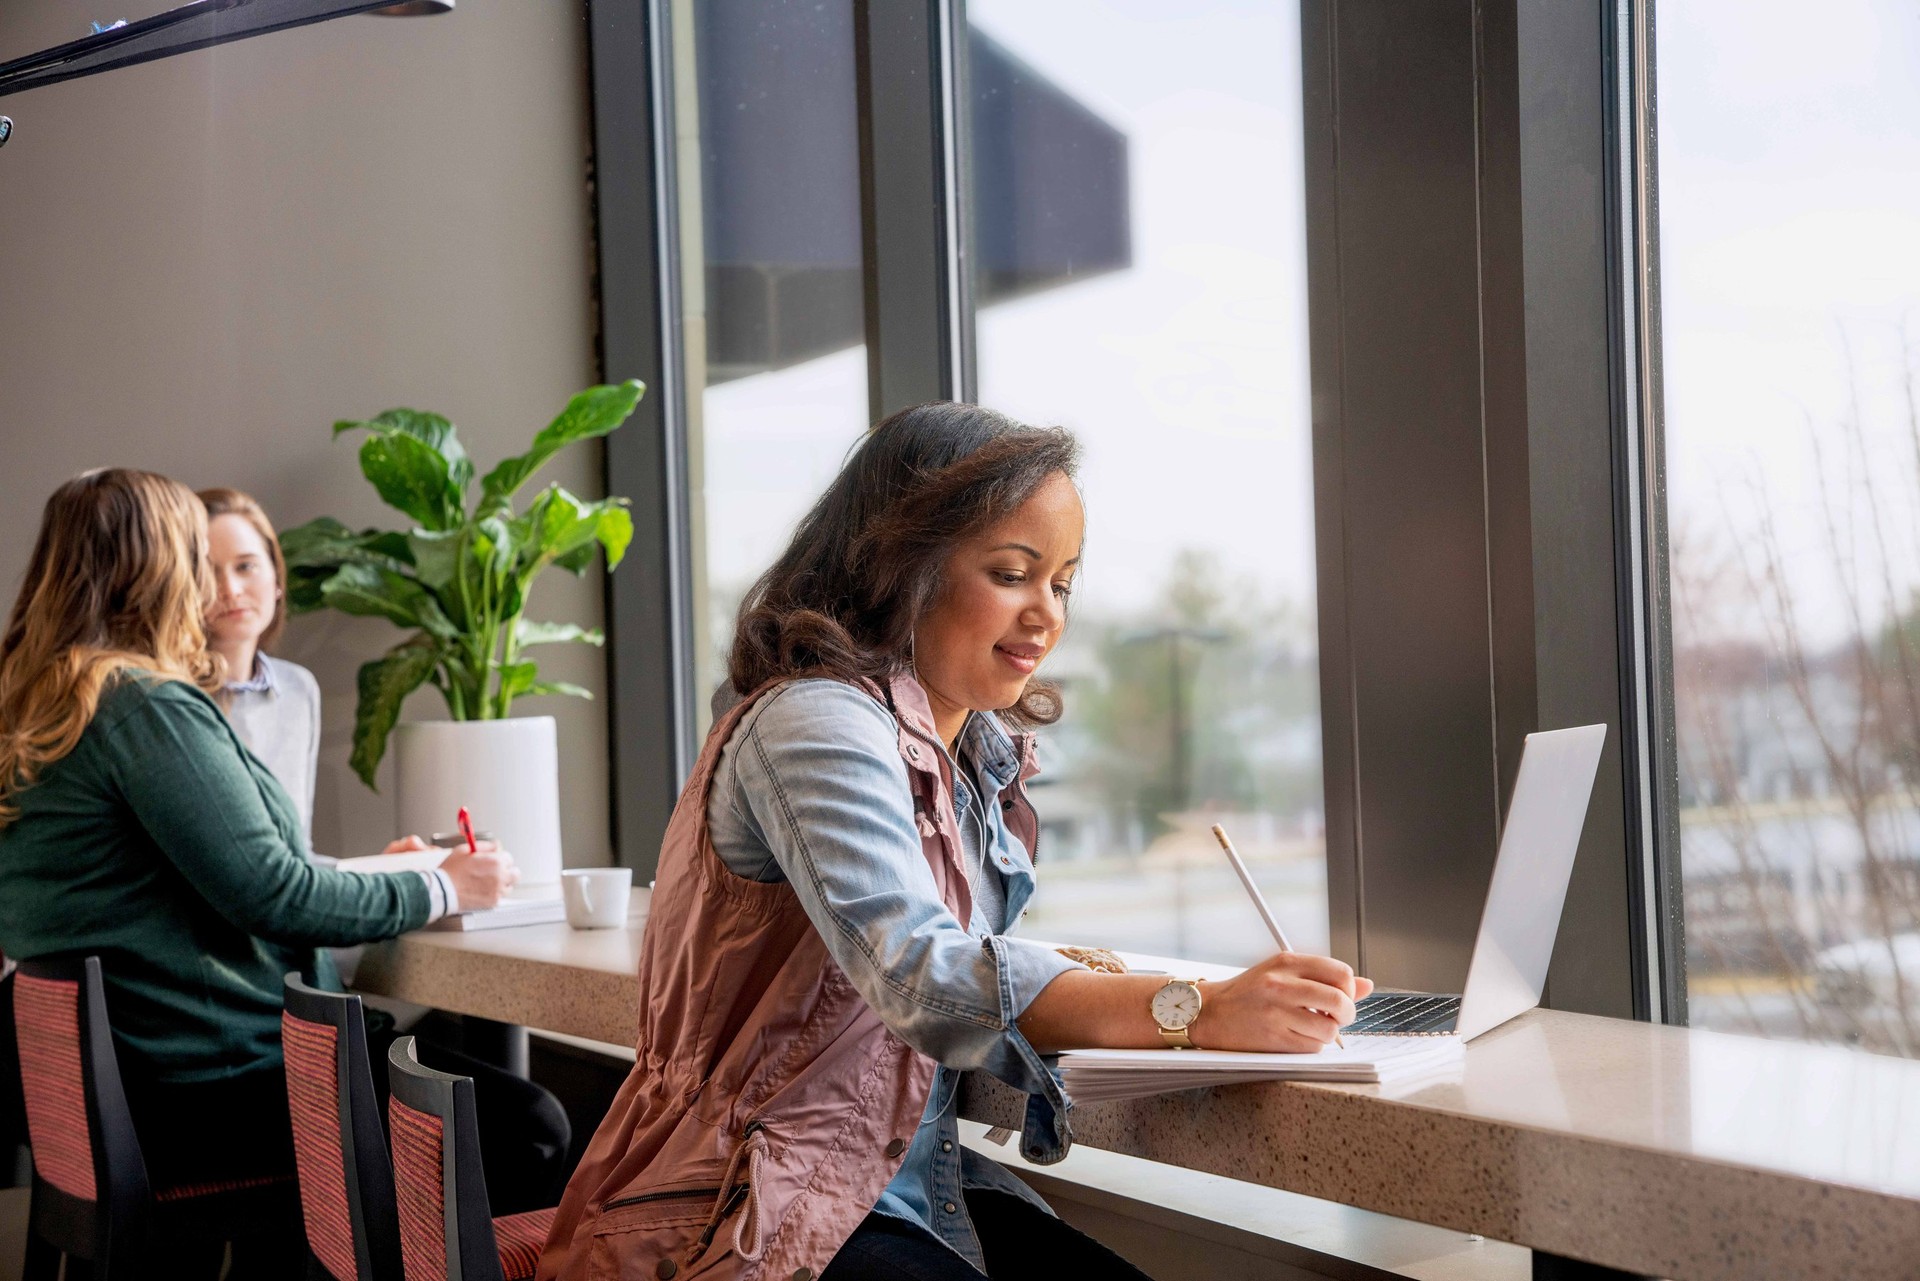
{"x":274,"y":707}
{"x":274,"y":704}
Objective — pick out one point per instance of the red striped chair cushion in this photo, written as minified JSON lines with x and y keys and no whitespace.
{"x":520,"y":1238}
{"x":313,"y":1098}
{"x":419,"y":1188}
{"x":46,"y":1015}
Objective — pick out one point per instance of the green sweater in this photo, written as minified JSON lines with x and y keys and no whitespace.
{"x":162,"y":846}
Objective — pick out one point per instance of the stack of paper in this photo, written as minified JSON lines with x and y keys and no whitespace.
{"x":1093,"y":1075}
{"x":411,"y":861}
{"x":522,"y":905}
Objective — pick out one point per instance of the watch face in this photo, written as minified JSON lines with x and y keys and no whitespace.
{"x":1176,"y":1005}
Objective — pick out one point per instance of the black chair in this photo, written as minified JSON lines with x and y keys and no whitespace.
{"x":92,"y":1201}
{"x":16,"y":1159}
{"x":436,"y":1160}
{"x":339,"y":1142}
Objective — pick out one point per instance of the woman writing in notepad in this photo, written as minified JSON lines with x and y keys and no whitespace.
{"x":828,"y":947}
{"x":274,"y":708}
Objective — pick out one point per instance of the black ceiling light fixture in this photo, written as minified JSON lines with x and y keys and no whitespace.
{"x":199,"y":25}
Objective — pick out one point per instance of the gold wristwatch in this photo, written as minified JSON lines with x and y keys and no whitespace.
{"x":1174,"y":1008}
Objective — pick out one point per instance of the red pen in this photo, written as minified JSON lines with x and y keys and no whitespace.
{"x":466,"y":830}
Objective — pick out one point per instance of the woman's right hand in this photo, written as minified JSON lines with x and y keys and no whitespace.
{"x":1291,"y":1003}
{"x":480,"y":878}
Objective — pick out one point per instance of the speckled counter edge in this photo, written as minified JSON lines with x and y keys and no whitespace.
{"x":597,"y":1005}
{"x":1629,"y":1208}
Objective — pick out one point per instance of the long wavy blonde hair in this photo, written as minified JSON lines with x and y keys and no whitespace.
{"x":118,"y":579}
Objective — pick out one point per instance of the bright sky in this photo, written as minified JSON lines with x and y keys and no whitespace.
{"x":1186,"y":375}
{"x":1789,"y":216}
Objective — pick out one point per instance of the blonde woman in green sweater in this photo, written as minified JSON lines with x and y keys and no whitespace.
{"x":135,"y":826}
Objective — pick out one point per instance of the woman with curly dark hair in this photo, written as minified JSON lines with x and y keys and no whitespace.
{"x":828,"y":947}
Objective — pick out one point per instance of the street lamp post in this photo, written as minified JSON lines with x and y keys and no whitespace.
{"x":1179,"y":755}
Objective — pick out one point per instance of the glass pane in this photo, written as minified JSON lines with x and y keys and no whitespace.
{"x":769,"y":172}
{"x":1790,"y":274}
{"x":1140,"y":277}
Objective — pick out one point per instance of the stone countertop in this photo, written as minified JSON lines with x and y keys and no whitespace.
{"x":554,"y":977}
{"x":1665,"y":1151}
{"x":1656,"y":1150}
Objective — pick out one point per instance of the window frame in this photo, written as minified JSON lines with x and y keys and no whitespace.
{"x":1565,"y":390}
{"x":650,"y":708}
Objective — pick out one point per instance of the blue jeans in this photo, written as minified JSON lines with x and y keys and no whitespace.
{"x":1020,"y":1241}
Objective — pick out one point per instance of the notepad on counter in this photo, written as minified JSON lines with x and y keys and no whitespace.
{"x":533,"y":905}
{"x":410,"y":861}
{"x":526,"y":905}
{"x":1095,"y":1075}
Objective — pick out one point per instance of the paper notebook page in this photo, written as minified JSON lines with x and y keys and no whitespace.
{"x":1358,"y":1051}
{"x":411,"y":861}
{"x":1105,"y":1087}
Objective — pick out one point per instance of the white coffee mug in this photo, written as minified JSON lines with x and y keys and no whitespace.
{"x":597,"y":897}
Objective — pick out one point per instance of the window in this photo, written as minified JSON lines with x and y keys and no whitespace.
{"x":1140,"y":277}
{"x":769,"y":174}
{"x":1790,"y":282}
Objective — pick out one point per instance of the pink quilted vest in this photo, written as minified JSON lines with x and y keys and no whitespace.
{"x":769,"y":1106}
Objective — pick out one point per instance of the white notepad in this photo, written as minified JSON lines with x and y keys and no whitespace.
{"x":411,"y":861}
{"x":1094,"y":1075}
{"x":522,"y":905}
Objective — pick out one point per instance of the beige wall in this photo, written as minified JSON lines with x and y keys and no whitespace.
{"x":205,"y":261}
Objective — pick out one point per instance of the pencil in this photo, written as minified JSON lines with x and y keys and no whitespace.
{"x":1259,"y":900}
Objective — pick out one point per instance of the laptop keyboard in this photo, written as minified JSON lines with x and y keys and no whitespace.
{"x":1405,"y":1014}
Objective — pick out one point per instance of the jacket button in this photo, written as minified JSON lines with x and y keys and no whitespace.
{"x":803,"y":1274}
{"x":666,"y":1270}
{"x":895,"y":1148}
{"x":913,"y":751}
{"x":1007,"y":806}
{"x":946,"y":1145}
{"x":950,"y":1207}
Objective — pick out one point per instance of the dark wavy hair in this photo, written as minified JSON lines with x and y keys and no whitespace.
{"x":864,"y":565}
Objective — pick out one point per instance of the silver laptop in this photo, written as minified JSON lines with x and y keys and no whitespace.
{"x":1522,"y":915}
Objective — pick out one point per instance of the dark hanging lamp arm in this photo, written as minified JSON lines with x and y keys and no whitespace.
{"x":199,"y":25}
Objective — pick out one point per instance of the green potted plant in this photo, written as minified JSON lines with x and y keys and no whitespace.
{"x":460,"y":579}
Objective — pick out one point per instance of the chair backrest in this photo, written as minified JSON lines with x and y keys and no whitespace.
{"x":90,"y":1182}
{"x":445,"y":1216}
{"x":339,"y":1144}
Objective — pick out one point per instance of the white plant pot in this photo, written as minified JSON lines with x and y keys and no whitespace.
{"x":507,"y":774}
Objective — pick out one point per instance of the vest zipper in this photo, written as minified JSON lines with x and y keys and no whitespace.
{"x":733,"y":1201}
{"x":739,"y":1190}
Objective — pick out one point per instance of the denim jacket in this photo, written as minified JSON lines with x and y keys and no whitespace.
{"x":813,"y":789}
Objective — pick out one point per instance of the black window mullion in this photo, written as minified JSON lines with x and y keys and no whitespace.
{"x":1643,"y":466}
{"x":1478,"y":477}
{"x":649,"y":636}
{"x":909,"y":55}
